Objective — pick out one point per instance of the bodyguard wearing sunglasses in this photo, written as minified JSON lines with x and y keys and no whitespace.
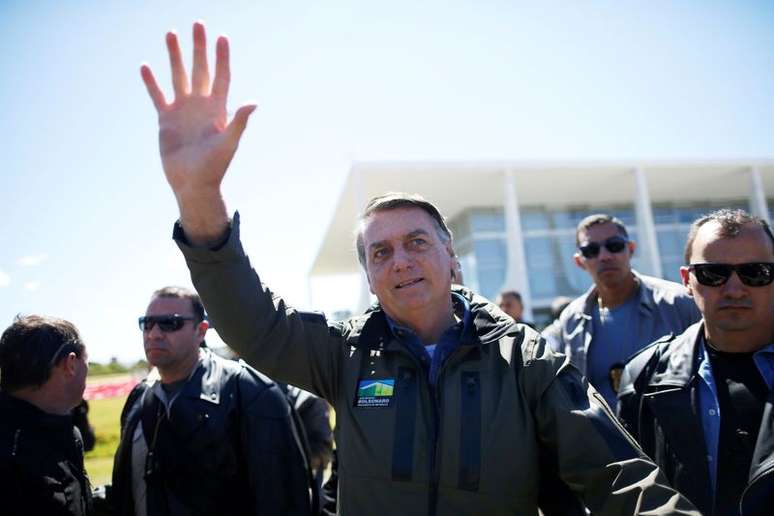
{"x":208,"y":435}
{"x":622,"y":312}
{"x":701,"y":403}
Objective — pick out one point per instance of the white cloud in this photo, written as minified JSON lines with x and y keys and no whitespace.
{"x":32,"y":286}
{"x":5,"y":279}
{"x":32,"y":260}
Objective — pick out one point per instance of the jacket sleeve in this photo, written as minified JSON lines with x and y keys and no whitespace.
{"x":276,"y":466}
{"x":290,"y":346}
{"x":628,"y":408}
{"x":633,"y":414}
{"x":595,"y":456}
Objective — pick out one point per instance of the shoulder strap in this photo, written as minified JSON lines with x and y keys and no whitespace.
{"x":138,"y":390}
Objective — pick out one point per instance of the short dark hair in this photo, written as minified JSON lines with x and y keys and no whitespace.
{"x":32,"y":346}
{"x":599,"y":218}
{"x":511,"y":293}
{"x":184,"y":293}
{"x":394,"y":201}
{"x":731,"y":223}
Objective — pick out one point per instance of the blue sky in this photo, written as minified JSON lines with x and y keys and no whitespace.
{"x":87,"y":215}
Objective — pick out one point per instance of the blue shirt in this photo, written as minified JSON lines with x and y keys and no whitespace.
{"x":709,"y":408}
{"x":432,"y":359}
{"x":612,"y":344}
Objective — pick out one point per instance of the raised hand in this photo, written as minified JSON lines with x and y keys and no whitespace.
{"x":196,"y":140}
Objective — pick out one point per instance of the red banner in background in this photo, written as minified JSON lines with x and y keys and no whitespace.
{"x":109,"y":388}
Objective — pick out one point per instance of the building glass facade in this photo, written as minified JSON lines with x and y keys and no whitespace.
{"x":549,"y":246}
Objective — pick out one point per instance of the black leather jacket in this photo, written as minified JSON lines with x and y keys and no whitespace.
{"x":229,"y":446}
{"x":41,"y":463}
{"x":658,"y":405}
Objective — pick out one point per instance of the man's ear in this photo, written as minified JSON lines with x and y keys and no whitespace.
{"x":201,"y":329}
{"x":685,"y":275}
{"x":68,"y":364}
{"x":632,"y":245}
{"x":579,"y":261}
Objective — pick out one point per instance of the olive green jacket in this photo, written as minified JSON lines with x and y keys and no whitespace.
{"x":470,"y":445}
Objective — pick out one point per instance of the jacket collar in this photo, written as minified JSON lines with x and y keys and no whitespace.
{"x":204,"y":381}
{"x":486,"y":323}
{"x":25,"y":413}
{"x":680,"y":364}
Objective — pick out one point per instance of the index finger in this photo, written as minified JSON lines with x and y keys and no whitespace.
{"x":156,"y":95}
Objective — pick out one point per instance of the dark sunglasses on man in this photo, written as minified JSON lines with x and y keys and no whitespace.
{"x":757,"y":274}
{"x":167,"y":323}
{"x":614,"y":244}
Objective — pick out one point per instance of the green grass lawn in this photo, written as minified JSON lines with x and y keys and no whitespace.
{"x":104,"y":416}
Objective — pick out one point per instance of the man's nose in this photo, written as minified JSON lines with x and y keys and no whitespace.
{"x":401,"y":259}
{"x":733,"y":287}
{"x":155,"y":332}
{"x":604,"y":254}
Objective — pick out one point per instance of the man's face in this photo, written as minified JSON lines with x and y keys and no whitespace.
{"x":167,"y":350}
{"x":732,"y":306}
{"x":70,"y":374}
{"x":82,"y":373}
{"x":606,"y":269}
{"x":511,"y":306}
{"x":408,"y":266}
{"x":80,"y":369}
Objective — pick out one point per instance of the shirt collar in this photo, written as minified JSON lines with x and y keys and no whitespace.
{"x":462,"y":311}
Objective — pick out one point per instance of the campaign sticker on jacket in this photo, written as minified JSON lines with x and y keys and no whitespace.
{"x":375,"y":392}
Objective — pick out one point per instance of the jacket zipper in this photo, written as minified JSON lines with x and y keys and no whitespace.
{"x":15,"y":442}
{"x":435,"y":470}
{"x":434,"y":403}
{"x":437,"y":398}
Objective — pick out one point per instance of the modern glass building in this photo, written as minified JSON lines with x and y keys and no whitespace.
{"x":514,"y":223}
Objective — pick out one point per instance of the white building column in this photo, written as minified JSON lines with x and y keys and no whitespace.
{"x":516,"y":266}
{"x":758,"y":205}
{"x":647,"y":242}
{"x":364,"y":298}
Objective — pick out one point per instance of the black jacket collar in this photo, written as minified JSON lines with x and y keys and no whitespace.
{"x":489,"y":323}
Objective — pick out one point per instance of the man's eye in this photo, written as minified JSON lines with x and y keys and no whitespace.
{"x":418,"y":241}
{"x":379,"y":253}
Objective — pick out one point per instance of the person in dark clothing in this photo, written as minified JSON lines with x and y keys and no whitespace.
{"x":43,"y":367}
{"x":702,"y":403}
{"x":330,"y":489}
{"x":315,"y":415}
{"x":204,"y":435}
{"x":81,"y":422}
{"x":314,"y":422}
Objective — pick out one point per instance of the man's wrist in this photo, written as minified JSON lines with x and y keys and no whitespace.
{"x":180,"y":234}
{"x":203,"y":217}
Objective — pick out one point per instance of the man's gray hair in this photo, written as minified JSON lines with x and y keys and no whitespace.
{"x":394,"y":201}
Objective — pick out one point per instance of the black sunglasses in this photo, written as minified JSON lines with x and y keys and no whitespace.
{"x":167,"y":323}
{"x":614,"y":244}
{"x":716,"y":274}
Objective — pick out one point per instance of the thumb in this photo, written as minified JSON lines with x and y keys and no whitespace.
{"x":238,"y":123}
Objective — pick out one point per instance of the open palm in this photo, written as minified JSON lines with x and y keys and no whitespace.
{"x":196,"y":141}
